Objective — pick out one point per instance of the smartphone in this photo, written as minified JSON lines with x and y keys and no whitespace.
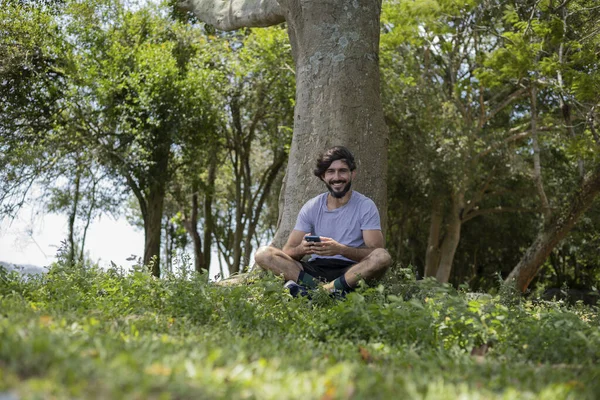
{"x":312,"y":238}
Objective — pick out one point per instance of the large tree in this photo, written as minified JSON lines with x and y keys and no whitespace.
{"x":335,"y":45}
{"x":147,"y":90}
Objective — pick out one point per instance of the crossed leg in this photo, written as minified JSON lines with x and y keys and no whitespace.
{"x":275,"y":260}
{"x":372,"y":266}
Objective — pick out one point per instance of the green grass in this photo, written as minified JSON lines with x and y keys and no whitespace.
{"x":87,"y":333}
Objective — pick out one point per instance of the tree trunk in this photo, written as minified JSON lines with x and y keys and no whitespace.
{"x":564,"y":105}
{"x":191,"y":226}
{"x":199,"y":262}
{"x":336,"y":51}
{"x":88,"y":217}
{"x":153,"y":229}
{"x":432,"y":255}
{"x":154,"y":203}
{"x":537,"y":165}
{"x":237,"y":156}
{"x":552,"y":233}
{"x":451,"y":239}
{"x":208,"y":216}
{"x":256,"y":206}
{"x":73,"y":216}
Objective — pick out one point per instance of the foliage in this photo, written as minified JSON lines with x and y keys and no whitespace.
{"x":85,"y":332}
{"x":32,"y":87}
{"x":458,"y":81}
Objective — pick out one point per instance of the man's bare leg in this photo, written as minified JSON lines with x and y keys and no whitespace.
{"x":272,"y":259}
{"x":372,"y":266}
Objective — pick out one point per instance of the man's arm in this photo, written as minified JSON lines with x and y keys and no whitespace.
{"x":329,"y":247}
{"x":296,"y":247}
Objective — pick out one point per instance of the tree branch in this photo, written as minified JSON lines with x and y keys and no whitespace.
{"x":512,"y":97}
{"x":497,"y":210}
{"x":512,"y":138}
{"x":228,"y":15}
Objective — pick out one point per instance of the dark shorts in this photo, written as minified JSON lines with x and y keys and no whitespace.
{"x":327,"y":269}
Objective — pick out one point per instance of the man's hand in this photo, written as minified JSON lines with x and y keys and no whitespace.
{"x":326,"y":247}
{"x":296,"y":246}
{"x":307,"y":247}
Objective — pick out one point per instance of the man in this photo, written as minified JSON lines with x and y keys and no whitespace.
{"x":348,"y":226}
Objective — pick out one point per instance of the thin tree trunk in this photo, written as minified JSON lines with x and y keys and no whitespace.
{"x":209,"y":225}
{"x":264,"y":190}
{"x":537,"y":166}
{"x":199,"y":262}
{"x":166,"y":241}
{"x":245,"y":244}
{"x":592,"y":122}
{"x":564,"y":105}
{"x":432,"y":255}
{"x":451,"y":239}
{"x":88,"y":218}
{"x":237,"y":159}
{"x":238,"y":232}
{"x":171,"y":246}
{"x":73,"y":216}
{"x":552,"y":233}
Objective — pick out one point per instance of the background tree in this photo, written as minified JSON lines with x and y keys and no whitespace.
{"x":455,"y":129}
{"x":258,"y":116}
{"x":150,"y":94}
{"x":472,"y":101}
{"x":569,"y":70}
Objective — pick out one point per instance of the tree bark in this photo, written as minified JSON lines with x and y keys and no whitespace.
{"x":191,"y":226}
{"x":239,"y":156}
{"x":336,"y":52}
{"x":432,"y":255}
{"x":73,"y":216}
{"x":208,"y":216}
{"x":88,"y":217}
{"x":451,"y":239}
{"x":153,"y":229}
{"x":154,"y":203}
{"x":537,"y":165}
{"x":552,"y":233}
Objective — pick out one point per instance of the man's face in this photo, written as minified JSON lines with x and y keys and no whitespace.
{"x":338,"y":178}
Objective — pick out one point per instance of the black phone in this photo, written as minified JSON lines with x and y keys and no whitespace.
{"x":312,"y":238}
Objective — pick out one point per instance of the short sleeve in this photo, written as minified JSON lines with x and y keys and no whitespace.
{"x":304,"y":222}
{"x":369,"y":216}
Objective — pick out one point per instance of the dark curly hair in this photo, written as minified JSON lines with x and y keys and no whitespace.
{"x":333,"y":154}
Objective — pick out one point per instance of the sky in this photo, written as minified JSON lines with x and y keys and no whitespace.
{"x":34,"y":239}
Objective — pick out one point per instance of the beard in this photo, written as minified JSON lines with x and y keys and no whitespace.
{"x":341,"y":193}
